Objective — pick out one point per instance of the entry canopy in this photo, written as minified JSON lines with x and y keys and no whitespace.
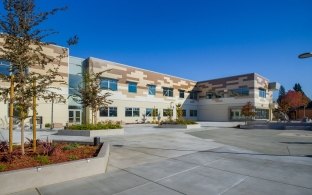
{"x":305,"y":55}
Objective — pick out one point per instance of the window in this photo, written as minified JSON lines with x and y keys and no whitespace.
{"x":132,"y":87}
{"x":242,"y":91}
{"x":167,"y":112}
{"x":108,"y":112}
{"x":4,"y":67}
{"x":74,"y":82}
{"x":181,"y":93}
{"x":184,"y":113}
{"x":193,"y":95}
{"x":209,"y":95}
{"x":168,"y":92}
{"x":236,"y":114}
{"x":149,"y":112}
{"x":108,"y":84}
{"x":132,"y":112}
{"x":193,"y":113}
{"x":262,"y":92}
{"x":151,"y":89}
{"x":262,"y":114}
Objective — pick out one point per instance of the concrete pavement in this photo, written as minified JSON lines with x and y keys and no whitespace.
{"x":175,"y":162}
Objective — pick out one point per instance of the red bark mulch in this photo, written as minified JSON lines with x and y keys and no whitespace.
{"x":54,"y":153}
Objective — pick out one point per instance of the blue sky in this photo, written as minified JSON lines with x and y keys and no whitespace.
{"x":194,"y":39}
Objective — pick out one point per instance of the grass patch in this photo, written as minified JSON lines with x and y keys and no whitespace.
{"x":98,"y":126}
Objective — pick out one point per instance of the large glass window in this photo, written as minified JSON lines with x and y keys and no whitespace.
{"x":108,"y":112}
{"x":151,"y":89}
{"x":236,"y":114}
{"x":149,"y":112}
{"x":193,"y":113}
{"x":168,"y":92}
{"x":242,"y":91}
{"x":132,"y":87}
{"x":262,"y":92}
{"x":132,"y":112}
{"x":193,"y":95}
{"x":107,"y":83}
{"x":4,"y":67}
{"x":181,"y":93}
{"x":262,"y":114}
{"x":74,"y":82}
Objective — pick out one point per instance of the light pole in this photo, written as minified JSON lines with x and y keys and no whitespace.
{"x":302,"y":56}
{"x":305,"y":55}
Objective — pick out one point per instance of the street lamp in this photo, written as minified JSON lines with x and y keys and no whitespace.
{"x":305,"y":55}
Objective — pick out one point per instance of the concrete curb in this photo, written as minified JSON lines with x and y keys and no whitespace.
{"x":18,"y":180}
{"x":92,"y":133}
{"x":178,"y":126}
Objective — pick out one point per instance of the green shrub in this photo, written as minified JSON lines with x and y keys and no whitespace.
{"x":98,"y":126}
{"x":43,"y":160}
{"x":47,"y":125}
{"x":71,"y":146}
{"x":2,"y":167}
{"x":180,"y":122}
{"x":72,"y":157}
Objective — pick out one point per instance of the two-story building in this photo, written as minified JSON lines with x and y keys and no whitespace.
{"x":136,"y":92}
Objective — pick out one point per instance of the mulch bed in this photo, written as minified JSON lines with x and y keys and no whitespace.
{"x":46,"y":154}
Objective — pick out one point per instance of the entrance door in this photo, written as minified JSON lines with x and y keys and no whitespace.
{"x":74,"y":116}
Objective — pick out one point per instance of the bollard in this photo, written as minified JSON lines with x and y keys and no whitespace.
{"x":96,"y":141}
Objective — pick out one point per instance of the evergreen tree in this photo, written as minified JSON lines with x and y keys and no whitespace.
{"x":281,"y":94}
{"x":298,"y":88}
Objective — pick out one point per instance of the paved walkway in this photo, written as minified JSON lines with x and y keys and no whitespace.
{"x":173,"y":162}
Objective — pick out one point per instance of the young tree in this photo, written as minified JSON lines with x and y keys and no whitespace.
{"x":154,"y":114}
{"x":248,"y":110}
{"x":293,"y":99}
{"x":23,"y":48}
{"x":179,"y":111}
{"x":90,"y":93}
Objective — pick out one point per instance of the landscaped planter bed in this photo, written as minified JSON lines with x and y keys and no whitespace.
{"x":17,"y":180}
{"x":179,"y":126}
{"x":91,"y":133}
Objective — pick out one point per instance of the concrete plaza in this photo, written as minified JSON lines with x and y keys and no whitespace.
{"x":209,"y":160}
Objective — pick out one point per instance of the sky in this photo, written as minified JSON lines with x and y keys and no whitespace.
{"x":193,"y":39}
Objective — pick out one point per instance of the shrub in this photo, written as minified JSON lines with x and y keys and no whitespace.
{"x":72,"y":157}
{"x":47,"y":125}
{"x":180,"y":122}
{"x":98,"y":126}
{"x":30,"y":141}
{"x":2,"y":167}
{"x":4,"y":146}
{"x":10,"y":157}
{"x":42,"y":159}
{"x":71,"y":146}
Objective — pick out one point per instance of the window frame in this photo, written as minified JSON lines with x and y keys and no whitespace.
{"x":167,"y":92}
{"x":181,"y":93}
{"x":135,"y":112}
{"x":153,"y":87}
{"x":112,"y":84}
{"x":193,"y":113}
{"x":132,"y":87}
{"x":109,"y":110}
{"x":262,"y":92}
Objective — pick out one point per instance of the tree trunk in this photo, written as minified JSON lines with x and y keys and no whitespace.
{"x":95,"y":118}
{"x":22,"y":136}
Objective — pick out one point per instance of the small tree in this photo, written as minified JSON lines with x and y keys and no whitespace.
{"x":281,"y":94}
{"x":169,"y":114}
{"x":24,"y":49}
{"x":179,"y":111}
{"x":89,"y":93}
{"x":248,"y":110}
{"x":154,"y":114}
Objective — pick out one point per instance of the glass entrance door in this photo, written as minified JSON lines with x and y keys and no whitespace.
{"x":74,"y":116}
